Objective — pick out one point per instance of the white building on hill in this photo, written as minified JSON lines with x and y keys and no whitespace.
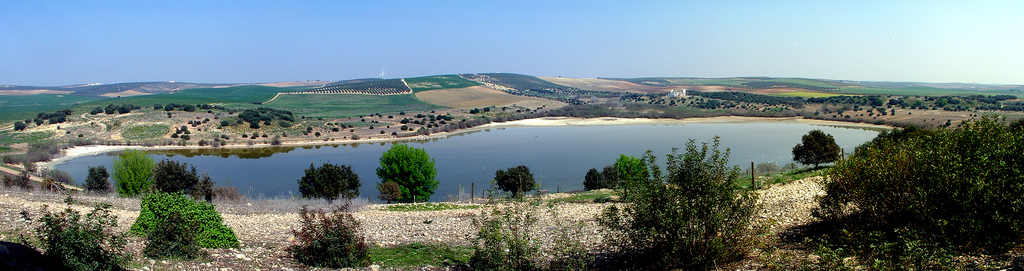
{"x":674,"y":93}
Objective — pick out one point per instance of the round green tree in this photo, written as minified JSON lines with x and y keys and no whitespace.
{"x":515,"y":180}
{"x":815,"y":148}
{"x":329,"y":182}
{"x":412,"y":169}
{"x":133,"y":172}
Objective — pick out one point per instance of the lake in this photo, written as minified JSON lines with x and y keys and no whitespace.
{"x":558,"y":157}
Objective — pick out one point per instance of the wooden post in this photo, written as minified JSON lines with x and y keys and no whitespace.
{"x":753,"y":176}
{"x":472,"y":193}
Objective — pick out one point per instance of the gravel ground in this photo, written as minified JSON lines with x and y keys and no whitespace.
{"x":265,"y":230}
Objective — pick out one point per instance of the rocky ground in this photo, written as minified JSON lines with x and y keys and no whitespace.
{"x":264,"y":227}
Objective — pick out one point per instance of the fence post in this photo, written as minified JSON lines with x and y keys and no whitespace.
{"x":472,"y":193}
{"x":753,"y":176}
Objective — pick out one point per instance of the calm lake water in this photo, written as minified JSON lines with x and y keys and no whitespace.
{"x":558,"y":157}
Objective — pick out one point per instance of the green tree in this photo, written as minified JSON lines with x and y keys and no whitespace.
{"x":20,"y":126}
{"x":515,"y":180}
{"x":172,"y":177}
{"x":815,"y":148}
{"x":389,"y":191}
{"x":98,"y":179}
{"x":133,"y":172}
{"x":329,"y":182}
{"x":412,"y":169}
{"x":693,"y":217}
{"x":630,"y":169}
{"x":593,"y":180}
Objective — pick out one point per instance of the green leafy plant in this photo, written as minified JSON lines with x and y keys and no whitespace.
{"x":172,"y":237}
{"x":210,"y":230}
{"x":515,"y":180}
{"x":173,"y":177}
{"x":89,"y":244}
{"x":98,"y":179}
{"x":955,"y":188}
{"x":133,"y":172}
{"x":412,"y":169}
{"x":329,"y":182}
{"x":505,"y":240}
{"x":329,"y":240}
{"x":694,"y":216}
{"x":815,"y":148}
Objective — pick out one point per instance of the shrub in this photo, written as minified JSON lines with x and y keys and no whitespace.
{"x":607,"y":178}
{"x":204,"y":189}
{"x":329,"y":240}
{"x":504,"y":241}
{"x":172,"y":177}
{"x":389,"y":191}
{"x":816,"y":147}
{"x":694,"y":216}
{"x":133,"y":172}
{"x":88,"y":244}
{"x":412,"y":169}
{"x":515,"y":180}
{"x":172,"y":237}
{"x":59,"y":176}
{"x":210,"y":230}
{"x":21,"y":180}
{"x":957,"y":188}
{"x":329,"y":182}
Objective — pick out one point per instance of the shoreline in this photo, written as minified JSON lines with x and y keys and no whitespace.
{"x":80,"y":151}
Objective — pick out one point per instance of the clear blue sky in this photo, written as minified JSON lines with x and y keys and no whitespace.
{"x":61,"y":43}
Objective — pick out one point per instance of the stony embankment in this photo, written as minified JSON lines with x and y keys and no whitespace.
{"x":265,"y":231}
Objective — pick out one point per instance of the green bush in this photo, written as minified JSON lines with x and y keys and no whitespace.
{"x":695,"y":216}
{"x":172,"y":237}
{"x":515,"y":180}
{"x":329,"y":240}
{"x":329,"y":181}
{"x":88,"y":244}
{"x":411,"y":168}
{"x":98,"y":179}
{"x":210,"y":230}
{"x":133,"y":172}
{"x":504,"y":241}
{"x":954,"y":188}
{"x":173,"y":177}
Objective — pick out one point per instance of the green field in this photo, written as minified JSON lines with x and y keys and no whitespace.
{"x":8,"y":137}
{"x":146,"y":131}
{"x":14,"y":108}
{"x":237,"y":96}
{"x":438,"y":82}
{"x":923,"y":91}
{"x":347,"y":105}
{"x":806,"y":94}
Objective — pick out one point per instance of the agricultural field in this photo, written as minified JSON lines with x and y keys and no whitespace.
{"x":366,"y":86}
{"x":346,"y":105}
{"x":807,"y":94}
{"x":450,"y":81}
{"x":478,"y":96}
{"x":607,"y":85}
{"x":22,"y":107}
{"x":145,"y":131}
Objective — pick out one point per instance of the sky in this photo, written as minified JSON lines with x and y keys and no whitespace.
{"x":51,"y":43}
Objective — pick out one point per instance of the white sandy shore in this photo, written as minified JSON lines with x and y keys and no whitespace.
{"x":537,"y":122}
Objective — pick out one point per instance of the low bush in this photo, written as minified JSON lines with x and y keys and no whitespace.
{"x":172,"y":237}
{"x":505,"y":240}
{"x":98,"y":179}
{"x":329,"y":240}
{"x":958,"y":188}
{"x":88,"y":244}
{"x":694,"y":216}
{"x":20,"y":181}
{"x":210,"y":230}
